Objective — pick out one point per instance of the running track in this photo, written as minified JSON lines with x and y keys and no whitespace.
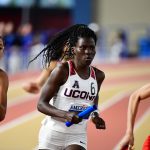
{"x":20,"y":129}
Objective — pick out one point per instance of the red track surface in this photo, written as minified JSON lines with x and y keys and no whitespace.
{"x":114,"y":116}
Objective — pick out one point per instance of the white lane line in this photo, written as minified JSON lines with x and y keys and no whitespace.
{"x":142,"y":119}
{"x":35,"y":113}
{"x":19,"y":121}
{"x":113,"y":100}
{"x":21,"y":99}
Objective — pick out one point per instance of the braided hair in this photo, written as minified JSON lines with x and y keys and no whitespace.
{"x":64,"y":40}
{"x":55,"y":48}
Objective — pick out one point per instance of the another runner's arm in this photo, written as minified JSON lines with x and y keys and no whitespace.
{"x":141,"y":94}
{"x":45,"y":73}
{"x":134,"y":100}
{"x":3,"y":94}
{"x":36,"y":85}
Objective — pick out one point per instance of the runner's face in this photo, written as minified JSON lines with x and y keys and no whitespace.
{"x":85,"y":50}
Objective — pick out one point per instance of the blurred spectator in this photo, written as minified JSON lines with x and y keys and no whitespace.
{"x":123,"y":38}
{"x":119,"y":48}
{"x":24,"y":40}
{"x":44,"y":37}
{"x":14,"y":60}
{"x":9,"y":36}
{"x":35,"y":49}
{"x":24,"y":35}
{"x":144,"y":45}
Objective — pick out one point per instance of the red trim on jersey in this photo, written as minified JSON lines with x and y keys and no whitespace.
{"x":92,"y":73}
{"x":72,"y":71}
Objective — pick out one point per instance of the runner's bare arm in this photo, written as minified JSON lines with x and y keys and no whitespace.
{"x":3,"y":94}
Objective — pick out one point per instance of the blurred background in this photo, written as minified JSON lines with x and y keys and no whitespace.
{"x":123,"y":28}
{"x":123,"y":51}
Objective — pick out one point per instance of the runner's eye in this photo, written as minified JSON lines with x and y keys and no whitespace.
{"x":82,"y":47}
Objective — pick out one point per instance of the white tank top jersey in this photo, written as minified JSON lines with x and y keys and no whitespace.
{"x":75,"y":95}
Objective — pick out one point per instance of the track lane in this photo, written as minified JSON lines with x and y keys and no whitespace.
{"x":115,"y":118}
